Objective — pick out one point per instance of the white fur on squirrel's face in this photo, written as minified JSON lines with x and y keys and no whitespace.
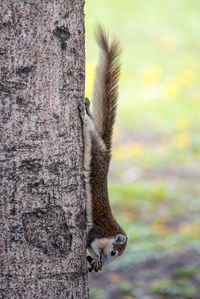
{"x":103,"y":249}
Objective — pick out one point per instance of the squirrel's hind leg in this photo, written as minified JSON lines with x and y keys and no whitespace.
{"x":81,"y":108}
{"x":87,"y":107}
{"x":84,"y":107}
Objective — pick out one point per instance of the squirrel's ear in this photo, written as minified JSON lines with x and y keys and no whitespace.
{"x":120,"y":239}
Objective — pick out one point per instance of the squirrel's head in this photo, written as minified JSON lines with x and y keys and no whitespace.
{"x":107,"y":250}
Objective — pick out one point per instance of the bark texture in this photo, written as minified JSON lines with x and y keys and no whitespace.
{"x":42,"y":201}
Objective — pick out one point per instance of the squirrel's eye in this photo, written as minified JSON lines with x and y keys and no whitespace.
{"x":113,"y":252}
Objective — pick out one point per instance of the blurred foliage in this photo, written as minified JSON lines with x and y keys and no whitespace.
{"x":188,"y":271}
{"x":173,"y":288}
{"x":155,"y":172}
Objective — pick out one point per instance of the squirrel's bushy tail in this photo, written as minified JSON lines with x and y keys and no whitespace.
{"x":105,"y":93}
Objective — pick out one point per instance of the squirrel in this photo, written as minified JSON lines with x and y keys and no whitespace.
{"x":106,"y":240}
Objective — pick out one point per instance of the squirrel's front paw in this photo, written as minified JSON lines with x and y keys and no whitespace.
{"x":94,"y":263}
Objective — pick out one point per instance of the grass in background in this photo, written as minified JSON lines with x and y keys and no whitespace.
{"x":154,"y":176}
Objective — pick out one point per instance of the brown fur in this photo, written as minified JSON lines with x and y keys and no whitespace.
{"x":104,"y":109}
{"x":105,"y":92}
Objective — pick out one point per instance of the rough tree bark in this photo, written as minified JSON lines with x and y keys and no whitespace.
{"x":42,"y":200}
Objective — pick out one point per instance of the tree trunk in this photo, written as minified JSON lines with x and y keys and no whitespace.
{"x":42,"y":201}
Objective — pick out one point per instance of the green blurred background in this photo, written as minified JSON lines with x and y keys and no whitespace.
{"x":154,"y":174}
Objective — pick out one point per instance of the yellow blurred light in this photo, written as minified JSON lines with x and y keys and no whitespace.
{"x":185,"y":228}
{"x":90,"y":70}
{"x":192,"y":229}
{"x":181,"y":140}
{"x":186,"y":77}
{"x":129,"y":150}
{"x":171,"y":89}
{"x":168,"y":42}
{"x":151,"y":74}
{"x":182,"y":122}
{"x":159,"y":223}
